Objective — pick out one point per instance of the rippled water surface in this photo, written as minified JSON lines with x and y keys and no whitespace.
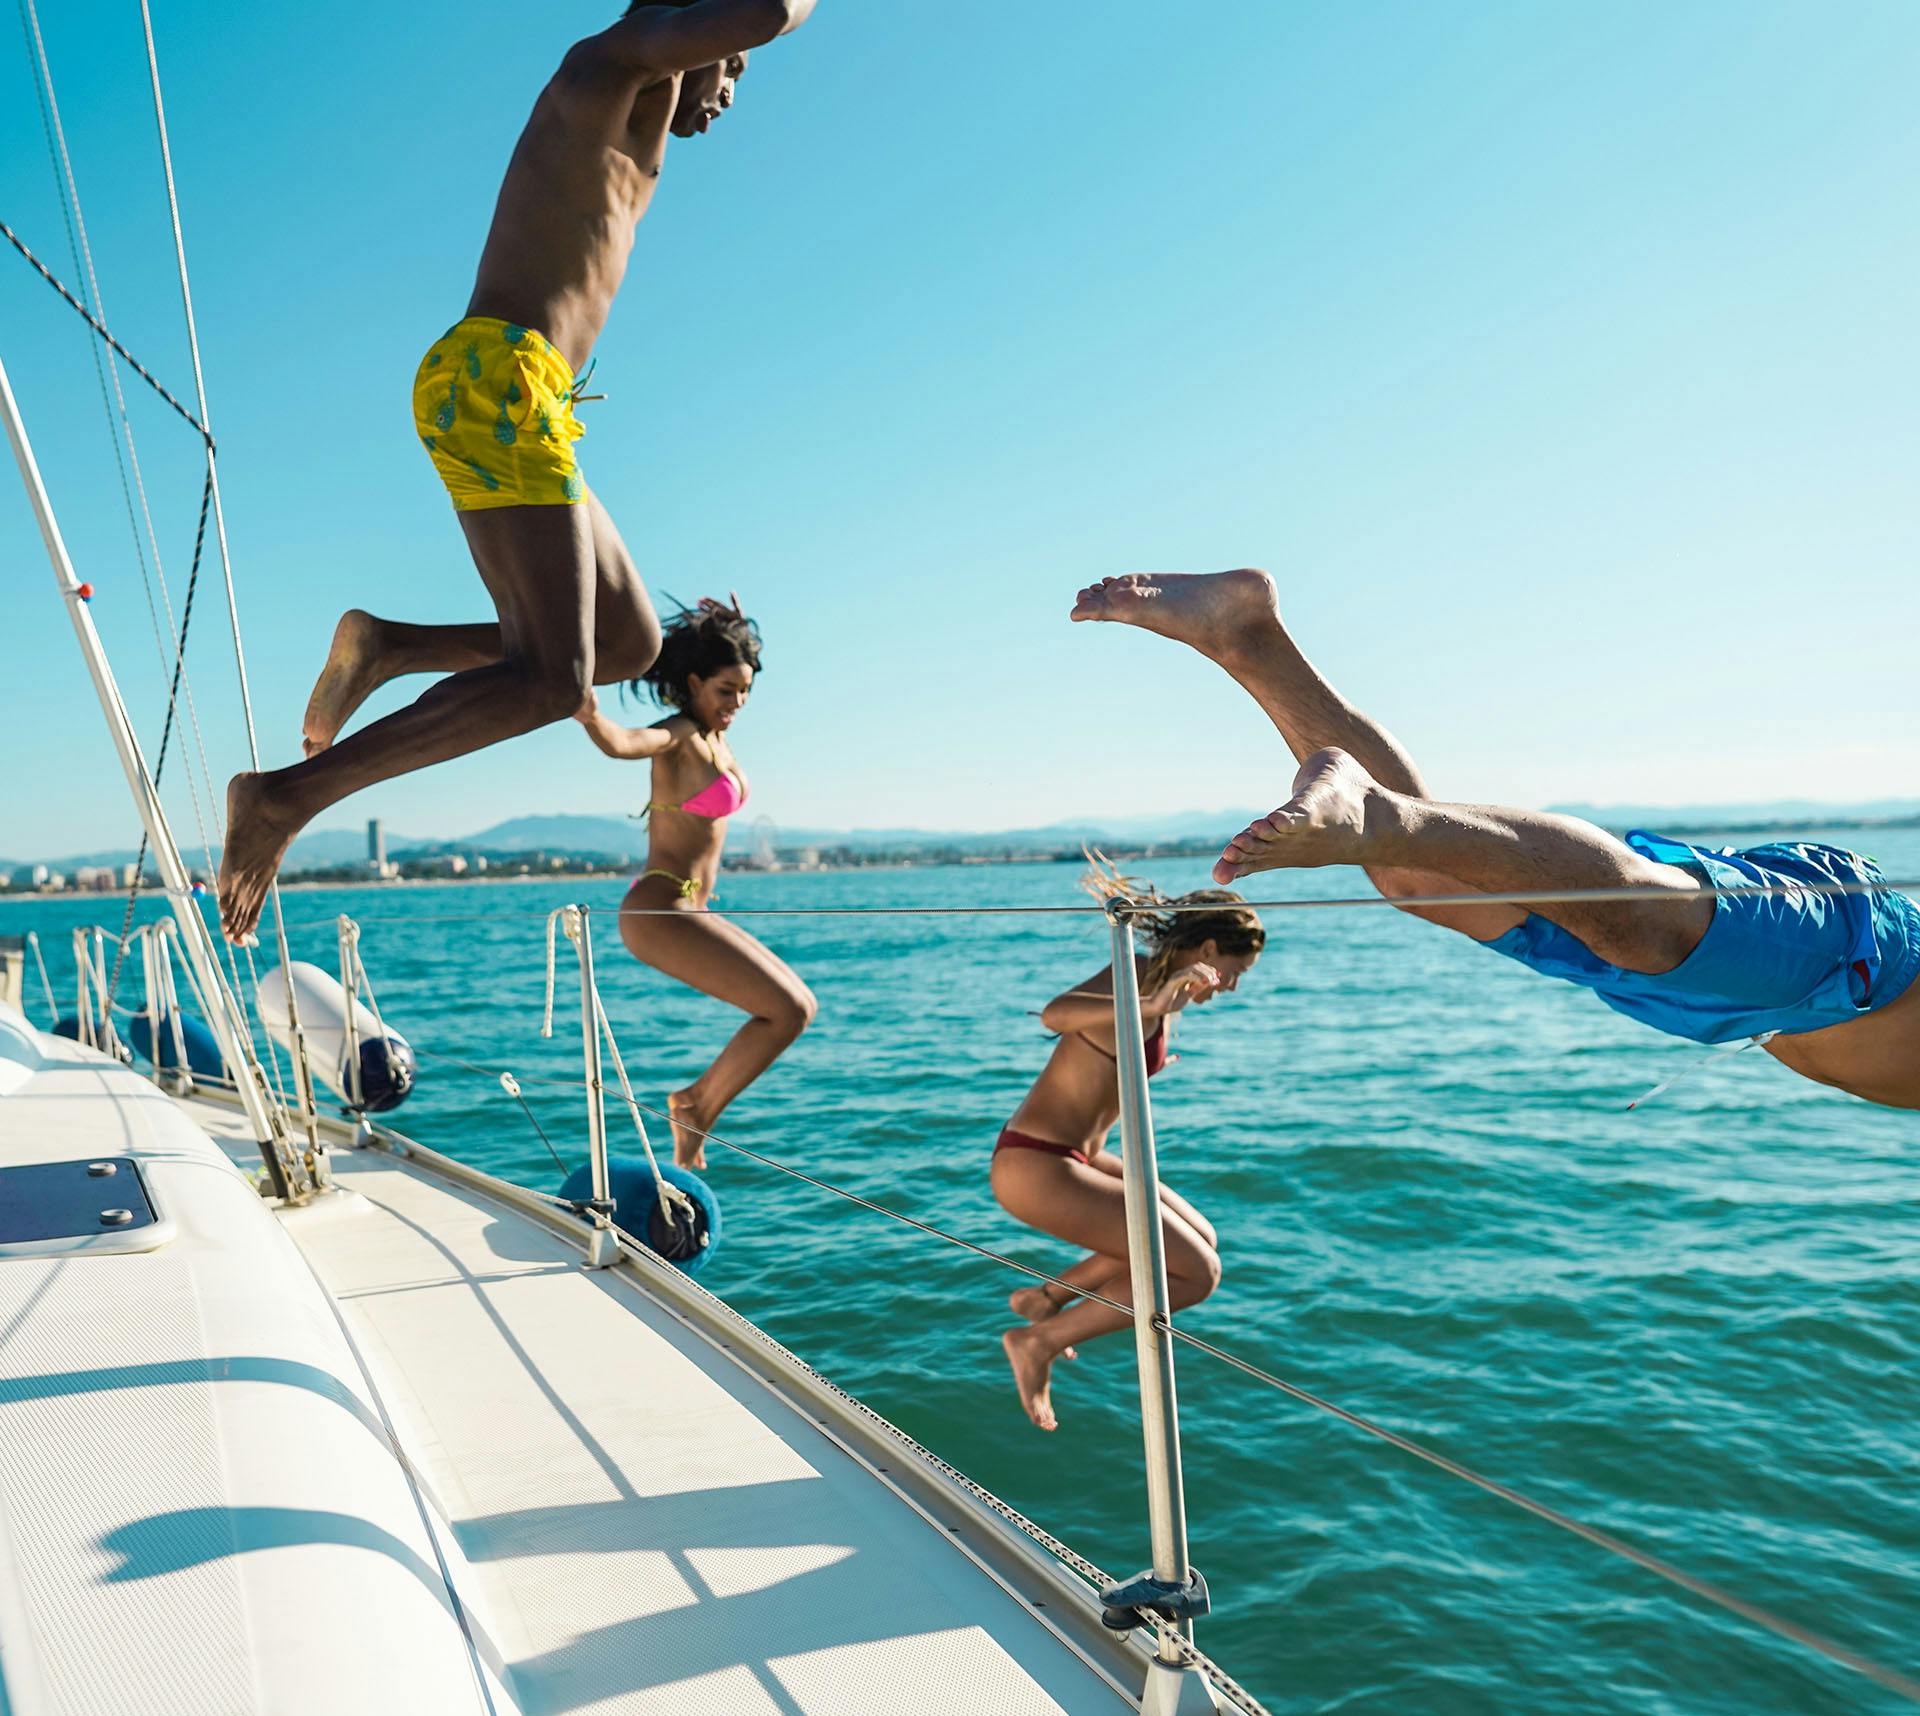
{"x":1696,"y":1325}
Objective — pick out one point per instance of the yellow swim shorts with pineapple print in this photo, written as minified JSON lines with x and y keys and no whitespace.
{"x":493,"y":403}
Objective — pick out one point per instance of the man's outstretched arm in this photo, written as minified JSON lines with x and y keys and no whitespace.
{"x":669,"y":39}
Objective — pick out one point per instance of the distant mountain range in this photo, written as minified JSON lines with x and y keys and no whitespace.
{"x":617,"y":837}
{"x":1769,"y":814}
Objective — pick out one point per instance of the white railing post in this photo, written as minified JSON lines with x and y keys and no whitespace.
{"x":350,"y":977}
{"x":152,"y":1006}
{"x":1172,"y":1592}
{"x":150,"y":983}
{"x":163,"y":929}
{"x":605,"y":1246}
{"x":109,"y":1042}
{"x":82,"y":1005}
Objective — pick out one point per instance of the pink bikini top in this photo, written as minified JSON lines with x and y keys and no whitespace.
{"x":718,"y":798}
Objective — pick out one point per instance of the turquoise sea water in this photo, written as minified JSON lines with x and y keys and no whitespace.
{"x":1696,"y":1326}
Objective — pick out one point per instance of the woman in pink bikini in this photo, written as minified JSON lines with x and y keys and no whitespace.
{"x":1051,"y":1167}
{"x":708,"y":657}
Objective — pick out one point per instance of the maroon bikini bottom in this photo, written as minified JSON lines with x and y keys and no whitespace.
{"x":1012,"y":1140}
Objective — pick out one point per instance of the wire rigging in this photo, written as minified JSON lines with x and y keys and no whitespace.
{"x":74,"y":217}
{"x":166,"y":736}
{"x":302,"y":1072}
{"x":102,"y":330}
{"x":265,"y":1071}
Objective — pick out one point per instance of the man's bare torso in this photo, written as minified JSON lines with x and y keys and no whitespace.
{"x":581,"y":177}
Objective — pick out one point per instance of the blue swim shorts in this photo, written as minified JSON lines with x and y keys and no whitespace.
{"x":1791,"y":961}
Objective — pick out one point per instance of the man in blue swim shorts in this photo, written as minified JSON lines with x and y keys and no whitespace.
{"x":1818,"y":962}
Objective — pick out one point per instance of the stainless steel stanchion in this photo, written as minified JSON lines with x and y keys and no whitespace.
{"x":604,"y":1248}
{"x":1172,"y":1592}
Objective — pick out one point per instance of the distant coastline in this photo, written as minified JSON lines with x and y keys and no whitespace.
{"x":447,"y":868}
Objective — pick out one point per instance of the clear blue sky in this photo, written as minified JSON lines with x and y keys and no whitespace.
{"x":1558,"y":359}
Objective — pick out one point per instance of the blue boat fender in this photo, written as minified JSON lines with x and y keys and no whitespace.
{"x":387,"y":1066}
{"x":688,"y":1242}
{"x":204,"y":1059}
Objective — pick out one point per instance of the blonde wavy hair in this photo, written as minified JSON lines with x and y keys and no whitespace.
{"x":1184,"y":922}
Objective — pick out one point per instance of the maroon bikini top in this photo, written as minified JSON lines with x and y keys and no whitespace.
{"x":1156,"y":1048}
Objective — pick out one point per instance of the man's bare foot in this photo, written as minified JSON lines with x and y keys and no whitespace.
{"x":351,"y":675}
{"x":1325,"y":822}
{"x":690,"y":1123}
{"x":1032,"y":1372}
{"x":1212,"y":611}
{"x":260,"y":828}
{"x":1036,"y":1304}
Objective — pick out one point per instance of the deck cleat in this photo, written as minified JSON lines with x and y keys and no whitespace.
{"x":1143,"y":1599}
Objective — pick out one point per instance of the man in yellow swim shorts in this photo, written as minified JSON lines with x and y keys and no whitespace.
{"x":493,"y":404}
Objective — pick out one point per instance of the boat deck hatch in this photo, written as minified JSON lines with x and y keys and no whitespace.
{"x":96,"y":1203}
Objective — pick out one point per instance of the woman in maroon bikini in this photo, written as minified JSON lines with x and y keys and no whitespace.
{"x":708,"y":658}
{"x":1051,"y":1168}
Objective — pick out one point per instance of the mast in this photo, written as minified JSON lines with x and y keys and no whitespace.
{"x":294,"y":1174}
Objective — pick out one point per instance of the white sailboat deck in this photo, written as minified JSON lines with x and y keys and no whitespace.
{"x":608,"y":1499}
{"x":649,"y":1524}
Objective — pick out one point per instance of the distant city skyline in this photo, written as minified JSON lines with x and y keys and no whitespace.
{"x":333,"y":845}
{"x":1555,"y":359}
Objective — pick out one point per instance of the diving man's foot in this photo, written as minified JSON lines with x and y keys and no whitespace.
{"x":1032,"y":1372}
{"x":690,"y":1123}
{"x":259,"y":830}
{"x":1325,"y":822}
{"x":1212,"y":611}
{"x":351,"y":675}
{"x":1036,"y":1304}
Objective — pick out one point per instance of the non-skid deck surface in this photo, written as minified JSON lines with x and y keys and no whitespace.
{"x":200,"y":1510}
{"x":652,"y":1529}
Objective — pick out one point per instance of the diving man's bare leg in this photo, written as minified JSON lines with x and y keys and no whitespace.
{"x":368,"y":651}
{"x":1354,"y":770}
{"x":538,"y":563}
{"x":1340,"y":815}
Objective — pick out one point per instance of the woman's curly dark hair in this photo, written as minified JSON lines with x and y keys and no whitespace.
{"x":701,"y":641}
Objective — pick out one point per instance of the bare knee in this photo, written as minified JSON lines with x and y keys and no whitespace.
{"x":1198,"y":1276}
{"x":556,"y":691}
{"x":1653,"y":938}
{"x":793,"y":1013}
{"x":628,"y":651}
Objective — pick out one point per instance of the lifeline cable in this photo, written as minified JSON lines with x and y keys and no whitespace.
{"x":1517,"y":897}
{"x":511,"y":1086}
{"x":1541,"y":896}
